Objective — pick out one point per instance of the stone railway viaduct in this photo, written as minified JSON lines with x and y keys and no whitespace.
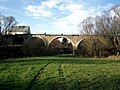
{"x":48,"y":38}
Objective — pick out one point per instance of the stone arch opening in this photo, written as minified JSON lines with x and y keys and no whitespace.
{"x":87,"y":47}
{"x":61,"y":45}
{"x":81,"y":48}
{"x":34,"y":46}
{"x":35,"y":37}
{"x":91,"y":47}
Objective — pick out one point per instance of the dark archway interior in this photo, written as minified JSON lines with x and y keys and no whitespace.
{"x":81,"y":48}
{"x":61,"y":45}
{"x":34,"y":47}
{"x":92,"y":47}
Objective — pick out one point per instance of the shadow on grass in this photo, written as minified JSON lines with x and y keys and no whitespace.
{"x":56,"y":83}
{"x":98,"y":83}
{"x":64,"y":60}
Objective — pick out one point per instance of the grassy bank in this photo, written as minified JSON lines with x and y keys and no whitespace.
{"x":60,"y":73}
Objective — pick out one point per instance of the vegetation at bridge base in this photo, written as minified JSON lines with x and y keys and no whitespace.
{"x":34,"y":47}
{"x":15,"y":46}
{"x":10,"y":46}
{"x":59,"y":73}
{"x":94,"y":47}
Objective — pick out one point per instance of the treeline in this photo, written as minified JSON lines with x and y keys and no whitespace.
{"x":103,"y":34}
{"x":10,"y":46}
{"x":14,"y":46}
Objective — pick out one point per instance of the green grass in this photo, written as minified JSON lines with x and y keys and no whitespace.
{"x":60,"y":73}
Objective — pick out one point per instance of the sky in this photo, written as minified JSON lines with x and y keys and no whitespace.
{"x":53,"y":16}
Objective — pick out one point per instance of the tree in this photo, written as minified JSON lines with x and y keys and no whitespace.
{"x":116,"y":26}
{"x":87,"y":26}
{"x":108,"y":25}
{"x":88,"y":29}
{"x":7,"y":23}
{"x":106,"y":28}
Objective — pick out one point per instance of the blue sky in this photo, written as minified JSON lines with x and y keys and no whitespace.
{"x":53,"y":16}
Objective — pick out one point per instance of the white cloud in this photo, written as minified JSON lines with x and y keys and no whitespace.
{"x":37,"y":11}
{"x":50,"y":4}
{"x":78,"y":13}
{"x":65,"y":24}
{"x":70,"y":22}
{"x":40,"y":10}
{"x":74,"y":7}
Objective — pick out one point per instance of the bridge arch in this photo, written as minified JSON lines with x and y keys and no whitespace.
{"x":56,"y":37}
{"x":79,"y":42}
{"x":61,"y":47}
{"x":44,"y":40}
{"x":34,"y":46}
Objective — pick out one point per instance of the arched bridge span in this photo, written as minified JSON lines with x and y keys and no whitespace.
{"x":48,"y":38}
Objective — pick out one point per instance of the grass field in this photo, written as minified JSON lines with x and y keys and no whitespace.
{"x":60,"y":73}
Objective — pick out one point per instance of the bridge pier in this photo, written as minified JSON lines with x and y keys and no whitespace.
{"x":74,"y":49}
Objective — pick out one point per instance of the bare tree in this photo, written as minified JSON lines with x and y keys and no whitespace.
{"x":109,"y":25}
{"x":6,"y":23}
{"x":94,"y":43}
{"x":116,"y":25}
{"x":88,"y":28}
{"x":106,"y":28}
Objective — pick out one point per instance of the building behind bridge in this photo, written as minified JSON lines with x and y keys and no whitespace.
{"x":17,"y":30}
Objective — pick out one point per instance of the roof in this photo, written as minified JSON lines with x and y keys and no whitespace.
{"x":20,"y":29}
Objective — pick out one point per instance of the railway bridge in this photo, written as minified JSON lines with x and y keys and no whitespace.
{"x":48,"y":38}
